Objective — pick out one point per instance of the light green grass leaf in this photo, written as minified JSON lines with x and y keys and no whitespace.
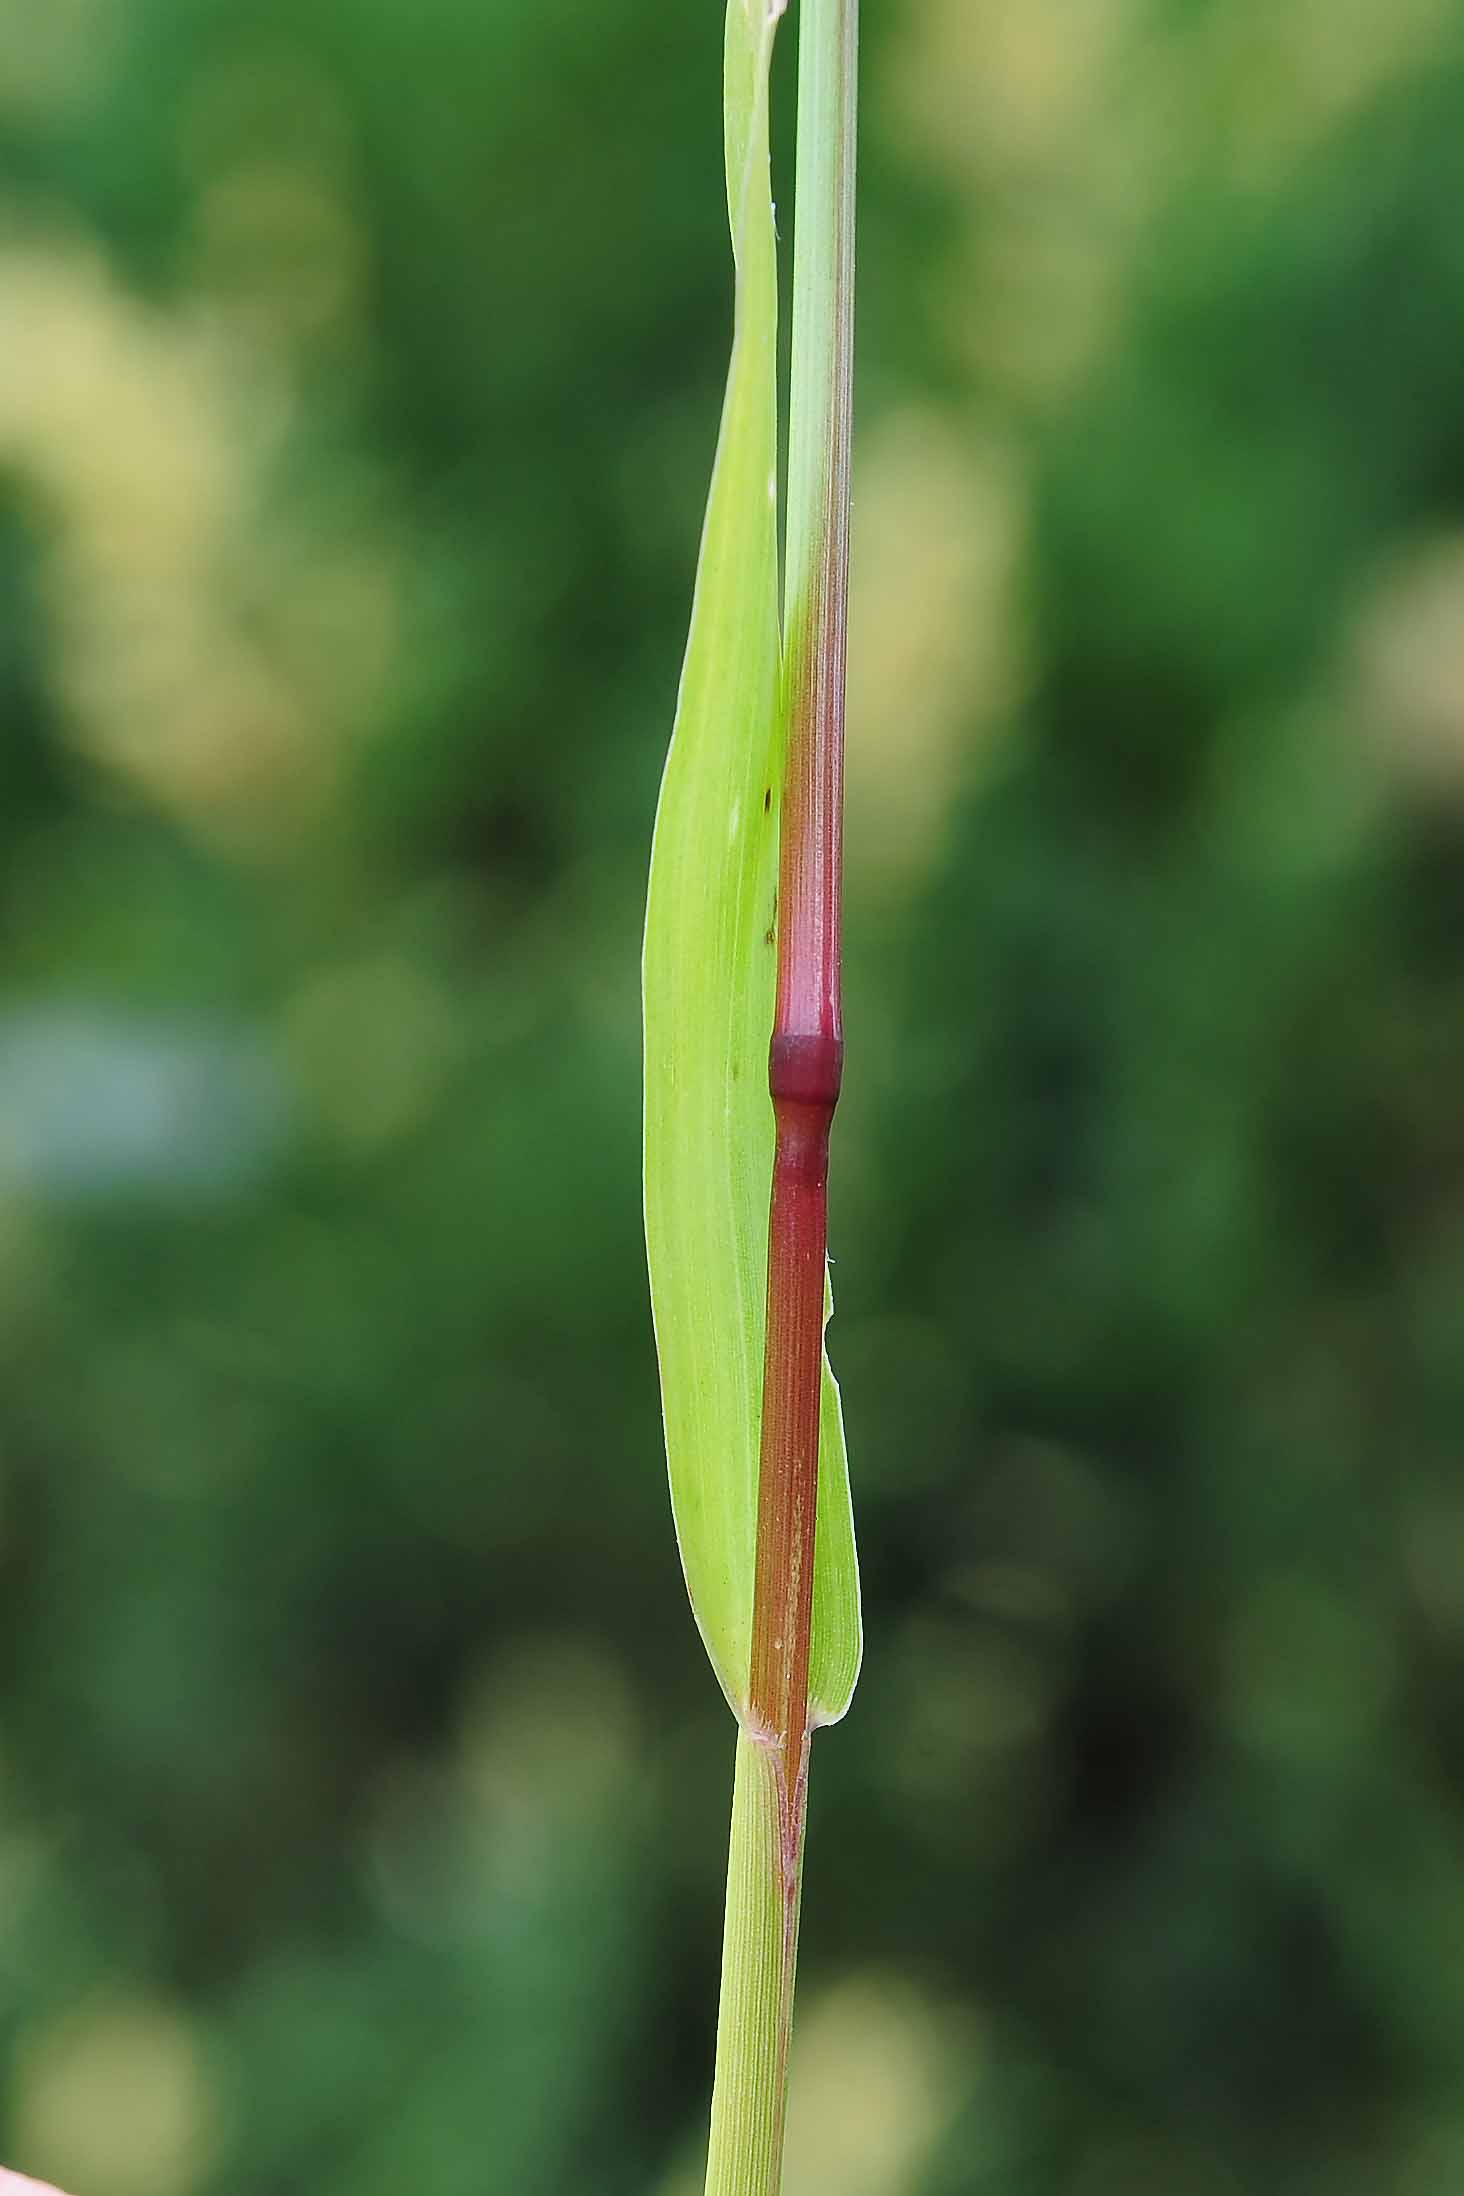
{"x":709,"y":977}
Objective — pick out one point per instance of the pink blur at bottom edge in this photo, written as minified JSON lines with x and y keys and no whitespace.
{"x":16,"y":2184}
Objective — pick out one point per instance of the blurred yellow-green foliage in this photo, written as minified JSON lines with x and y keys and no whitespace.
{"x":362,"y":1787}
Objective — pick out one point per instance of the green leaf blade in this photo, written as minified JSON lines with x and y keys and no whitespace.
{"x":709,"y":962}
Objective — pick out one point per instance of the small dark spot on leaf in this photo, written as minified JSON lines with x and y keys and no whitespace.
{"x":767,"y":799}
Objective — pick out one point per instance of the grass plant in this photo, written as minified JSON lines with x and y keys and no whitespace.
{"x":744,"y":1053}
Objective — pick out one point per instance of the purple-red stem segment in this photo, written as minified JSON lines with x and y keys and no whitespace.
{"x":806,"y":1063}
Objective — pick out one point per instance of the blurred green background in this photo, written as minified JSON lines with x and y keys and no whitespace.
{"x":362,"y":1788}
